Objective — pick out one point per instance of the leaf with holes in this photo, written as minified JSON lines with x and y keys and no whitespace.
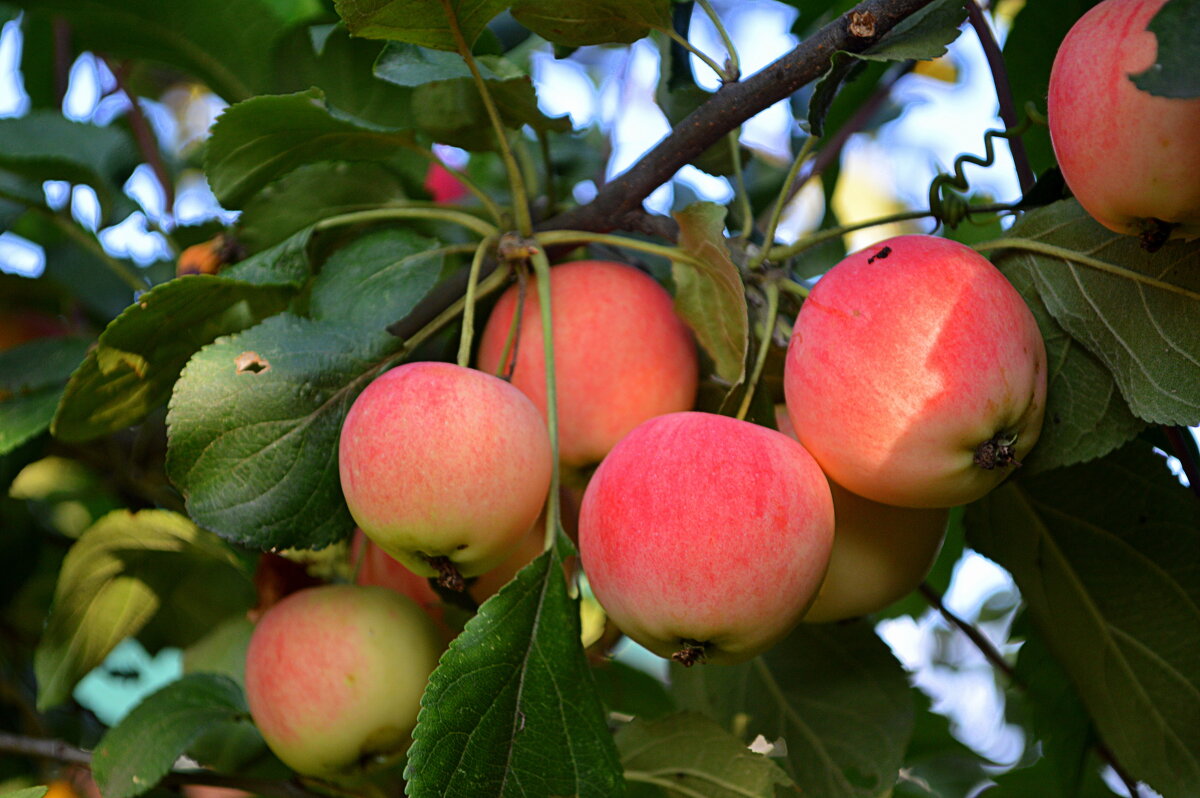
{"x":134,"y":755}
{"x":1141,"y":323}
{"x":1107,"y":557}
{"x":708,"y":290}
{"x":690,"y":753}
{"x":511,"y":710}
{"x":833,"y":692}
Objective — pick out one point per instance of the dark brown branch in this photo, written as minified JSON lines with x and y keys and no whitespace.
{"x":729,"y":107}
{"x":63,"y":58}
{"x":59,"y":751}
{"x":1008,"y":109}
{"x":144,"y":136}
{"x":992,"y":655}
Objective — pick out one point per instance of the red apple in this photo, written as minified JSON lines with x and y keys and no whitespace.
{"x":621,"y":353}
{"x":1132,"y":159}
{"x":916,"y":374}
{"x":335,"y":674}
{"x":445,"y":188}
{"x":445,"y":467}
{"x":705,"y":538}
{"x":21,"y":326}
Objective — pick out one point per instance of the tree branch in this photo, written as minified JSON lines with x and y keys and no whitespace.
{"x":729,"y":107}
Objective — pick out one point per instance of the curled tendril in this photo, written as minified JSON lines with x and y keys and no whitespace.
{"x":946,"y":202}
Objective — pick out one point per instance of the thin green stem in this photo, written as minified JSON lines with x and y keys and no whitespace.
{"x":488,"y":285}
{"x":548,"y":168}
{"x":437,"y":214}
{"x":781,"y":202}
{"x":739,"y":185}
{"x":541,"y":269}
{"x":764,"y":347}
{"x":92,"y":244}
{"x":734,"y":67}
{"x":517,"y":185}
{"x":551,"y":238}
{"x":794,"y":288}
{"x":468,"y":324}
{"x":691,"y":48}
{"x":1070,"y":256}
{"x":490,"y":205}
{"x":821,"y":236}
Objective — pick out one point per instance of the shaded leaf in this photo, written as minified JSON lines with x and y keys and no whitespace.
{"x":1173,"y":73}
{"x":511,"y":710}
{"x":1085,"y":416}
{"x":253,"y":429}
{"x":422,"y":22}
{"x":135,"y":754}
{"x":574,"y":23}
{"x":710,"y":296}
{"x":260,"y":140}
{"x":32,"y":378}
{"x":26,"y":792}
{"x":630,"y":691}
{"x":1107,"y":557}
{"x":1145,"y":335}
{"x":141,"y":353}
{"x":687,"y":751}
{"x":118,"y":575}
{"x":834,"y":694}
{"x":937,"y":764}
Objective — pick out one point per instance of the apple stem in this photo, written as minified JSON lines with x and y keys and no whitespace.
{"x":448,"y":575}
{"x":691,"y":653}
{"x":997,"y":452}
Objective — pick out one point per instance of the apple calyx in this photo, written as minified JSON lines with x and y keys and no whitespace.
{"x":999,"y":451}
{"x":691,"y":653}
{"x":448,"y":575}
{"x":1153,"y":233}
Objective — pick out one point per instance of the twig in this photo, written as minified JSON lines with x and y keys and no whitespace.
{"x":992,"y":655}
{"x":728,"y":108}
{"x":1008,"y":109}
{"x":144,"y":136}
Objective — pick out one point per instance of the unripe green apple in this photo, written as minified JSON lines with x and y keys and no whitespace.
{"x":621,"y":354}
{"x":335,"y":674}
{"x":445,"y":467}
{"x":916,"y":374}
{"x":704,"y":537}
{"x":880,"y":553}
{"x":1131,"y":158}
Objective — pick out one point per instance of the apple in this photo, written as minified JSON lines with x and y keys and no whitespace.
{"x":443,"y":186}
{"x":705,"y":538}
{"x":1131,"y":158}
{"x":22,"y":326}
{"x":445,"y":467}
{"x":916,"y":374}
{"x":880,"y":553}
{"x":335,"y":674}
{"x":621,"y":354}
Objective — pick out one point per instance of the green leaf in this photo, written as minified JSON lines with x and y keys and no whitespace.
{"x":511,"y":710}
{"x":260,"y":140}
{"x":135,"y":754}
{"x":314,"y":192}
{"x":422,"y":22}
{"x":936,"y":763}
{"x":1107,"y":557}
{"x":141,"y":352}
{"x":1085,"y":415}
{"x":409,"y":65}
{"x":119,"y":574}
{"x":631,"y":691}
{"x":835,"y":695}
{"x":689,"y":752}
{"x":32,"y":378}
{"x":44,"y":145}
{"x":26,"y":792}
{"x":328,"y":58}
{"x":710,"y":296}
{"x":370,"y":281}
{"x":227,"y":44}
{"x":253,"y":429}
{"x":920,"y":37}
{"x":1173,"y":73}
{"x":575,"y":23}
{"x":1145,"y":335}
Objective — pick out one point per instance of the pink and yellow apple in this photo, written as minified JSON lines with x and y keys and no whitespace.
{"x":916,"y":374}
{"x":705,"y":538}
{"x":1131,"y":158}
{"x":335,"y":674}
{"x":621,"y":353}
{"x":445,"y":467}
